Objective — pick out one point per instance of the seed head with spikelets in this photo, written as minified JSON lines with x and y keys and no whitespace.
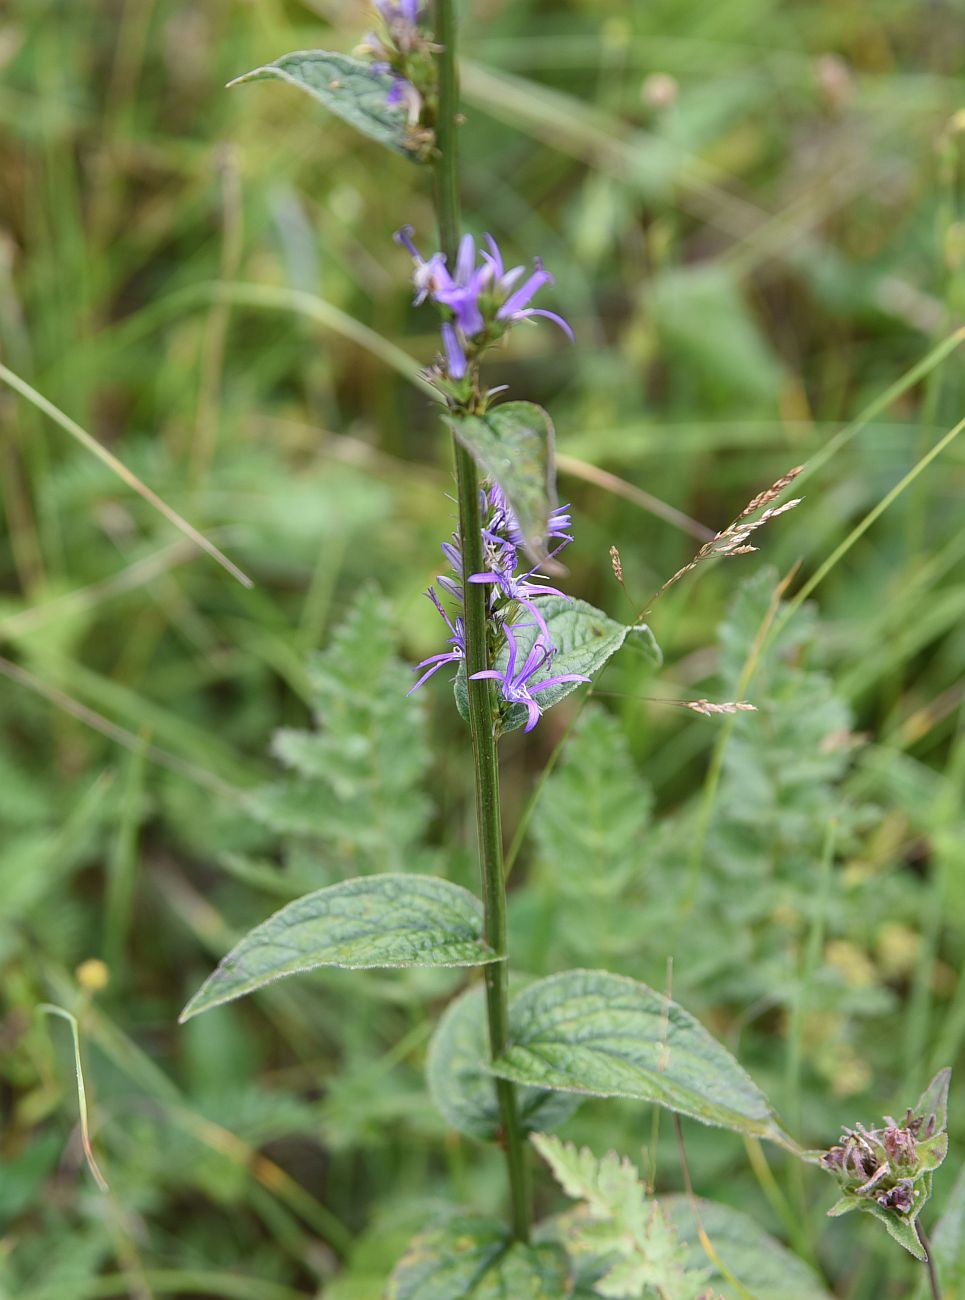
{"x":733,"y":540}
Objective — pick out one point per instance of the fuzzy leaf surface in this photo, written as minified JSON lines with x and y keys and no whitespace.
{"x":462,"y":1086}
{"x":369,"y":922}
{"x":513,"y":444}
{"x":475,"y":1259}
{"x":592,"y":1032}
{"x":349,"y":88}
{"x":760,"y":1263}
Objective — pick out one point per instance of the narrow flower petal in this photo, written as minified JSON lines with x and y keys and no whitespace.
{"x":443,"y":659}
{"x":550,"y":315}
{"x":466,"y":259}
{"x":557,"y":681}
{"x":520,"y":299}
{"x":494,"y":256}
{"x":455,"y":357}
{"x":403,"y":236}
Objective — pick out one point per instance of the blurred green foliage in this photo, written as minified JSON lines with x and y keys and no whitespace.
{"x":754,"y":214}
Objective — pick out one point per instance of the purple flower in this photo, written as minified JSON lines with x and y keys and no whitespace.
{"x":461,"y":294}
{"x":481,"y":298}
{"x":402,"y":18}
{"x":502,"y":541}
{"x":407,"y":11}
{"x":516,"y":305}
{"x":402,"y":94}
{"x":455,"y":357}
{"x":515,"y":683}
{"x":457,"y":640}
{"x":504,"y":538}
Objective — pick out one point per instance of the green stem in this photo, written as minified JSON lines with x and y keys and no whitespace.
{"x":482,"y":711}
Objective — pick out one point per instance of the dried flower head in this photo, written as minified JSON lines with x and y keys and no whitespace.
{"x":887,"y":1171}
{"x":733,"y":540}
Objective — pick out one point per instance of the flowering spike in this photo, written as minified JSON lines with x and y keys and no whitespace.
{"x":478,"y":302}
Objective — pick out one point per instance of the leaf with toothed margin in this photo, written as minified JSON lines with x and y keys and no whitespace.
{"x":361,"y":924}
{"x":468,"y":1258}
{"x":585,"y":638}
{"x":592,"y":1032}
{"x":513,"y":444}
{"x":351,"y":89}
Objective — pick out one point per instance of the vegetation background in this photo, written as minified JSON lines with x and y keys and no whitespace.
{"x":754,"y":213}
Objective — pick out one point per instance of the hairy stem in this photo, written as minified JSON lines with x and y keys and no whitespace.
{"x":481,"y":698}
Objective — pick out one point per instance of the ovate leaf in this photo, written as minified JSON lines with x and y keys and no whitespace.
{"x":475,"y":1259}
{"x":593,"y":1032}
{"x":765,"y":1268}
{"x":513,"y":444}
{"x":371,"y":921}
{"x":462,"y":1086}
{"x":351,"y":89}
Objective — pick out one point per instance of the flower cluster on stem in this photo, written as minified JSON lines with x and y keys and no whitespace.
{"x":512,"y":605}
{"x":479,"y":301}
{"x":403,"y":49}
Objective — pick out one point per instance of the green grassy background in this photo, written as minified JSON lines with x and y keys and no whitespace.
{"x":764,"y":262}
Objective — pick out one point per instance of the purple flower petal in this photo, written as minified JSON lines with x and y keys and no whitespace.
{"x":403,"y":236}
{"x":455,"y":357}
{"x":520,"y":299}
{"x":550,"y":315}
{"x":494,"y":256}
{"x":465,"y":260}
{"x":557,"y":681}
{"x":442,"y":659}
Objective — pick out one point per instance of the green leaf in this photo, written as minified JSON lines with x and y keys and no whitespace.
{"x":349,"y":88}
{"x":593,"y":814}
{"x":371,"y":921}
{"x":585,"y":639}
{"x":765,"y":1268}
{"x":475,"y":1259}
{"x":711,"y":339}
{"x":513,"y":444}
{"x":462,"y":1086}
{"x":619,"y":1224}
{"x":901,"y":1229}
{"x":932,"y":1106}
{"x":352,"y":800}
{"x":593,"y":1032}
